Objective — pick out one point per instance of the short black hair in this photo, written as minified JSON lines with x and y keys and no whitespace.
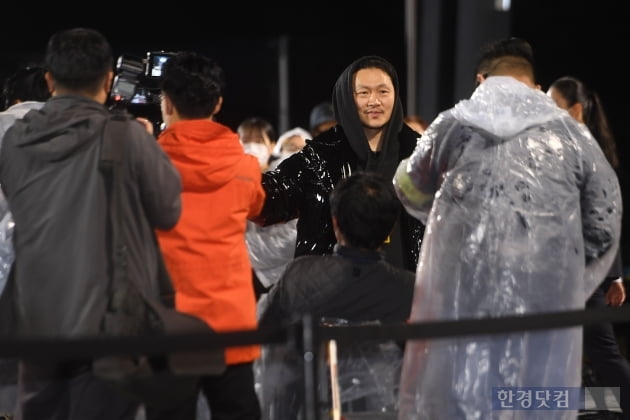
{"x":79,"y":59}
{"x":516,"y":47}
{"x":366,"y":208}
{"x":194,"y":84}
{"x":26,"y":84}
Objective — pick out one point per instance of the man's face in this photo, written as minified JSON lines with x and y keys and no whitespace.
{"x":374,"y":97}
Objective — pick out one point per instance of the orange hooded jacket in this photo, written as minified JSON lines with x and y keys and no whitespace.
{"x":205,"y":253}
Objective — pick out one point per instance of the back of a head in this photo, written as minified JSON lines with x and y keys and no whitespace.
{"x":571,"y":89}
{"x":513,"y":66}
{"x":27,"y":84}
{"x":79,"y":59}
{"x":193,"y":83}
{"x":366,"y":208}
{"x":491,"y":51}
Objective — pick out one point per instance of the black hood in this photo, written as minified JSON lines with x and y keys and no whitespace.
{"x":347,"y":116}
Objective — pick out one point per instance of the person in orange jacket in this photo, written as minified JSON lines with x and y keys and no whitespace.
{"x":205,"y":253}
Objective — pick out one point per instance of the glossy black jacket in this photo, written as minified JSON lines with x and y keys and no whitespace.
{"x":301,"y":185}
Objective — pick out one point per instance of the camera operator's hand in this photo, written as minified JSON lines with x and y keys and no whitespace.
{"x":148,"y":125}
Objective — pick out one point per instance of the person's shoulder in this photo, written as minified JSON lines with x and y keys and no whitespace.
{"x":248,"y":165}
{"x":328,"y":144}
{"x":310,"y":261}
{"x":329,"y":137}
{"x":305,"y":267}
{"x":403,"y":274}
{"x":135,"y":128}
{"x":408,"y":137}
{"x":407,"y":132}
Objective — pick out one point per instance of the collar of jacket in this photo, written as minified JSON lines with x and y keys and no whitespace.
{"x":357,"y":253}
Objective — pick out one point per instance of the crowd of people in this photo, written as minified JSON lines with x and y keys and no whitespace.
{"x":506,"y":204}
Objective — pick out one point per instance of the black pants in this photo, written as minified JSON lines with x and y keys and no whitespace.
{"x":68,"y":391}
{"x":230,"y":396}
{"x":611,"y":368}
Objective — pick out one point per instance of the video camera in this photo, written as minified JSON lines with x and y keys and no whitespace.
{"x":136,"y":80}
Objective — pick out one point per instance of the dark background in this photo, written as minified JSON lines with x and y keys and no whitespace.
{"x":585,"y":39}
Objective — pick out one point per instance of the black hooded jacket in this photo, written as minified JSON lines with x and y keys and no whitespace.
{"x":301,"y":185}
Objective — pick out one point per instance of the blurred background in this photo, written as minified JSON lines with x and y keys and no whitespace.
{"x":282,"y":58}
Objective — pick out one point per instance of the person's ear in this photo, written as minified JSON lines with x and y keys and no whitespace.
{"x":50,"y":82}
{"x":218,"y":106}
{"x":108,"y":82}
{"x":338,"y":234}
{"x":480,"y":78}
{"x":167,"y":105}
{"x":577,"y":111}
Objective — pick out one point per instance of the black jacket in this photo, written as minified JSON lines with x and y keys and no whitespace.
{"x":353,"y":284}
{"x":301,"y":186}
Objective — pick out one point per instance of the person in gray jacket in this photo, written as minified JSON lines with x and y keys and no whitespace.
{"x":49,"y":172}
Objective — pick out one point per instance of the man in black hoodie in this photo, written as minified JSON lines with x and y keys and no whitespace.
{"x":370,"y":136}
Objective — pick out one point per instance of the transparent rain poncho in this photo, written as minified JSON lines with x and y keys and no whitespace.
{"x":523,"y":216}
{"x":7,"y":255}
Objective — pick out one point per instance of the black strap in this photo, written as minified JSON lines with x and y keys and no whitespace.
{"x":111,"y":165}
{"x":128,"y":311}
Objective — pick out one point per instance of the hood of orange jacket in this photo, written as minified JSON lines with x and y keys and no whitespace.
{"x":205,"y":152}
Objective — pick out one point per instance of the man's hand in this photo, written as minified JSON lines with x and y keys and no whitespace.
{"x":146,"y":124}
{"x":616,"y":294}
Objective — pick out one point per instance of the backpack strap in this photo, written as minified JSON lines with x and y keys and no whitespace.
{"x":126,"y":307}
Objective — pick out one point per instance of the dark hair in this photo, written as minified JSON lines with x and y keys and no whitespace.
{"x":193,"y":83}
{"x":366,"y":208}
{"x":27,"y":84}
{"x":513,"y":46}
{"x":79,"y":59}
{"x":575,"y":91}
{"x":511,"y":65}
{"x":260,"y":124}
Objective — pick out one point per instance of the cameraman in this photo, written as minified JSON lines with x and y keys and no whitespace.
{"x":49,"y":172}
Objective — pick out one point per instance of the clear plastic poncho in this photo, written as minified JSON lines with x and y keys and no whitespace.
{"x":7,"y":254}
{"x":523,"y":216}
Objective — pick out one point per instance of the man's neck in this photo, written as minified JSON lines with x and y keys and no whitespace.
{"x":100,"y":97}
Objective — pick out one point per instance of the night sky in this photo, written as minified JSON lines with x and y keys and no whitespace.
{"x":585,"y":39}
